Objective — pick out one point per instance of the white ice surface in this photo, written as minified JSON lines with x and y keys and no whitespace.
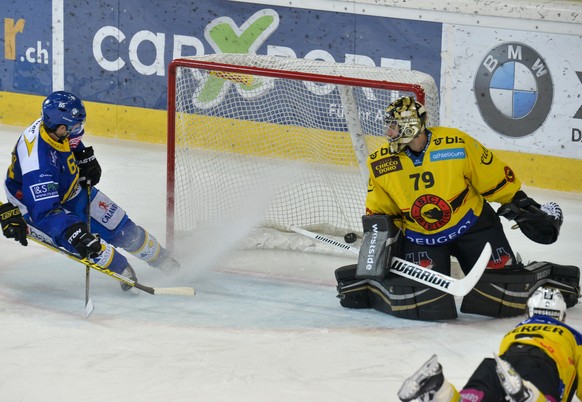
{"x":264,"y":326}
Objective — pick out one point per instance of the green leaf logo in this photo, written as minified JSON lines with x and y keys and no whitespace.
{"x":224,"y":36}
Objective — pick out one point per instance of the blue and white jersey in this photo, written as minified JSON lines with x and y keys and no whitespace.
{"x":44,"y":180}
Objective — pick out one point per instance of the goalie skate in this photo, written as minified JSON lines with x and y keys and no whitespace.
{"x":423,"y":384}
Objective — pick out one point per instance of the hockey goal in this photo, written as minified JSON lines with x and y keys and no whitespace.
{"x":283,"y":138}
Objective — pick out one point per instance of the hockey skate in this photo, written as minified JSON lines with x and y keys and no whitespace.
{"x":423,"y":384}
{"x":128,"y":272}
{"x":512,"y":383}
{"x":165,"y":263}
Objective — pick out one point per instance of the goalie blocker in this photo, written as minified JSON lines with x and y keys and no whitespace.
{"x":499,"y":293}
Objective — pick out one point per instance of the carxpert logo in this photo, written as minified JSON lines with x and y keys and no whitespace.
{"x":514,"y":89}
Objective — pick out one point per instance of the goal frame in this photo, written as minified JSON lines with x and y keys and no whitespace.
{"x":416,"y":89}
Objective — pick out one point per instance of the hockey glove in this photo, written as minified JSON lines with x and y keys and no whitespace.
{"x":86,"y":244}
{"x":539,"y":223}
{"x":89,"y":168}
{"x":379,"y":244}
{"x":13,"y":226}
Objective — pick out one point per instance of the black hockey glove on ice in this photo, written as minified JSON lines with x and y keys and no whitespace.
{"x":13,"y":226}
{"x":539,"y":223}
{"x":86,"y":244}
{"x":89,"y":168}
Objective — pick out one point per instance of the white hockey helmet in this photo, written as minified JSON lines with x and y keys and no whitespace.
{"x":547,"y":301}
{"x":410,"y":118}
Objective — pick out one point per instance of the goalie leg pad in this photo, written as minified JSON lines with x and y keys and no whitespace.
{"x":352,"y":292}
{"x":504,"y":292}
{"x":501,"y":293}
{"x":404,"y":298}
{"x":396,"y":296}
{"x":566,"y":278}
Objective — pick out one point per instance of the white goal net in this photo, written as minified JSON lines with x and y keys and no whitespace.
{"x":283,"y":138}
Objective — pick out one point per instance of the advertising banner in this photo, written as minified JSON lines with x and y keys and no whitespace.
{"x":514,"y":90}
{"x":119,"y":54}
{"x":26,"y":58}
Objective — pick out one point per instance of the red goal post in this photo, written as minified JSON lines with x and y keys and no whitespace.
{"x":299,"y":130}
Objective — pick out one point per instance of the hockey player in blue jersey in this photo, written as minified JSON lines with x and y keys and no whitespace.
{"x":49,"y":180}
{"x":539,"y":360}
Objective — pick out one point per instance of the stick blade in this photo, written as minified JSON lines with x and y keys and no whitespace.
{"x":177,"y":291}
{"x":89,"y":307}
{"x":464,"y":286}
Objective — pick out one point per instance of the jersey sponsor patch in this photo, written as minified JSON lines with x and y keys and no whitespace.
{"x":486,"y":156}
{"x":444,"y":236}
{"x":43,"y":191}
{"x":447,"y":154}
{"x":449,"y":140}
{"x":75,"y":140}
{"x":386,"y":165}
{"x":105,"y":211}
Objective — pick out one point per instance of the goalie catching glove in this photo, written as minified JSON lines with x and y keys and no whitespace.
{"x":86,"y":244}
{"x":539,"y":223}
{"x":13,"y":225}
{"x":89,"y":168}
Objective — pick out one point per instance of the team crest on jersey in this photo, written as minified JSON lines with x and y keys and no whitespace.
{"x":431,"y":212}
{"x":386,"y":165}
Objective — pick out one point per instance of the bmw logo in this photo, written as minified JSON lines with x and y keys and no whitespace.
{"x":514,"y":89}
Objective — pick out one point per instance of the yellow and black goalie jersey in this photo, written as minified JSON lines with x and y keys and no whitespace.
{"x":438,"y":194}
{"x":560,"y":342}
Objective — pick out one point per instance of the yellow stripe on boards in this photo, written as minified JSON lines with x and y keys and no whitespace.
{"x":147,"y":125}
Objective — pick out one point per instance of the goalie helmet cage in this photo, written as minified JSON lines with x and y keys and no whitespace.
{"x":290,"y":134}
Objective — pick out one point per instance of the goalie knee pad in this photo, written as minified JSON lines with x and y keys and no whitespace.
{"x":399,"y":297}
{"x":504,"y":292}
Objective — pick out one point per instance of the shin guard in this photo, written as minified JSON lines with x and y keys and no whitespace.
{"x":144,"y":246}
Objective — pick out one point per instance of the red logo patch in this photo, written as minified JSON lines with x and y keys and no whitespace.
{"x":431,"y":212}
{"x":509,"y":175}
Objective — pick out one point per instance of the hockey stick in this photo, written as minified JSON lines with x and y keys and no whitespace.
{"x":89,"y":307}
{"x":168,"y":291}
{"x":417,"y":273}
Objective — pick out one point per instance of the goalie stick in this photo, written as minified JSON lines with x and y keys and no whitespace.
{"x":168,"y":291}
{"x":417,"y":273}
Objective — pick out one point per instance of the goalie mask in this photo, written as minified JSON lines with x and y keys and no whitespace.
{"x":406,"y":117}
{"x":547,"y":301}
